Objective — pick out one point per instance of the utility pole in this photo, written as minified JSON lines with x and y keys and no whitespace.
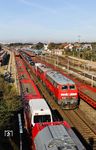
{"x":68,"y":64}
{"x":88,"y":68}
{"x":92,"y":81}
{"x":84,"y":69}
{"x":56,"y":57}
{"x":57,"y":60}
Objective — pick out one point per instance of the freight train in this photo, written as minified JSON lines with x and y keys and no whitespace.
{"x":83,"y":91}
{"x":45,"y":134}
{"x":63,"y":89}
{"x":35,"y":107}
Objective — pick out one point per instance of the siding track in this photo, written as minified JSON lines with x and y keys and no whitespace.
{"x":77,"y":120}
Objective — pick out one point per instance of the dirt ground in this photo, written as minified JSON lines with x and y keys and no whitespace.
{"x":88,"y":111}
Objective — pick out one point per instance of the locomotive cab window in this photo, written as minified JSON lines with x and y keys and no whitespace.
{"x":64,"y":87}
{"x":42,"y":118}
{"x":72,"y":87}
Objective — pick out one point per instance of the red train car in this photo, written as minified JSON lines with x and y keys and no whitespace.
{"x":41,"y":71}
{"x":89,"y":99}
{"x":28,"y":88}
{"x":63,"y":89}
{"x":55,"y":136}
{"x":35,"y":107}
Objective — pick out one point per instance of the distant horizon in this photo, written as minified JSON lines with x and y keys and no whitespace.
{"x":47,"y":21}
{"x":22,"y":42}
{"x":46,"y":41}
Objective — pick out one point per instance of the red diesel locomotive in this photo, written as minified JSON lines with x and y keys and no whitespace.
{"x":63,"y":89}
{"x":55,"y":136}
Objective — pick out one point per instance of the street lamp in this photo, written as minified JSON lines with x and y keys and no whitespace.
{"x":20,"y":130}
{"x":68,"y":64}
{"x":84,"y":69}
{"x":92,"y":80}
{"x":57,"y":60}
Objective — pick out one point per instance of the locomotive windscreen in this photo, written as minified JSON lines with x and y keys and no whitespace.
{"x":42,"y":118}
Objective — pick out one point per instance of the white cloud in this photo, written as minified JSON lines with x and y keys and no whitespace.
{"x":38,"y":6}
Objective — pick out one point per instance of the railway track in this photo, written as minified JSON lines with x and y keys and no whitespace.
{"x":86,"y":131}
{"x":79,"y":82}
{"x":79,"y":68}
{"x":83,"y":126}
{"x":88,"y":111}
{"x":67,"y":63}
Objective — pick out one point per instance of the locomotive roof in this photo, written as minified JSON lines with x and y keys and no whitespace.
{"x":44,"y":68}
{"x":38,"y":105}
{"x":59,"y":78}
{"x":57,"y":137}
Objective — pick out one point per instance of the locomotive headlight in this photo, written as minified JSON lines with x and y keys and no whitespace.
{"x":73,"y":94}
{"x":64,"y":94}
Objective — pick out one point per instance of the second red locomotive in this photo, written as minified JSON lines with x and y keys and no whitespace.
{"x":62,"y":88}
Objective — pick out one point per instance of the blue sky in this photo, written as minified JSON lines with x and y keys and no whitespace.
{"x":47,"y":20}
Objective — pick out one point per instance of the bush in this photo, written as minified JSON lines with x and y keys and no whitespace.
{"x":9,"y":103}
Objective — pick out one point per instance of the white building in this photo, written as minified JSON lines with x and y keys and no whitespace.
{"x":45,"y":46}
{"x":57,"y":51}
{"x":87,"y":46}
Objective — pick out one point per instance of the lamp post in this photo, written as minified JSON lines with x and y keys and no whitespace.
{"x":84,"y":69}
{"x":88,"y":68}
{"x":92,"y":81}
{"x":57,"y":60}
{"x":68,"y":64}
{"x":20,"y":130}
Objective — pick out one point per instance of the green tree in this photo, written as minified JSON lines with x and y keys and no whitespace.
{"x":39,"y":46}
{"x":51,"y":46}
{"x":9,"y":104}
